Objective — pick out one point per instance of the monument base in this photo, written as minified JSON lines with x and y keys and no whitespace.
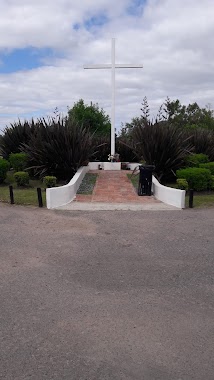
{"x":111,"y":165}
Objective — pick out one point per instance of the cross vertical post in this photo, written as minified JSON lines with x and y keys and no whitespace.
{"x":113,"y":96}
{"x":113,"y":66}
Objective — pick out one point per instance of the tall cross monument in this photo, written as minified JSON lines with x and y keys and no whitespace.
{"x":113,"y":66}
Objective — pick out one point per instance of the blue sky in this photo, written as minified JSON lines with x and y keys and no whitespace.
{"x":44,"y":48}
{"x":24,"y":59}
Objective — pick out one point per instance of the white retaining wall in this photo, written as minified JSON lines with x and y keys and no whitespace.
{"x":59,"y":196}
{"x":173,"y":197}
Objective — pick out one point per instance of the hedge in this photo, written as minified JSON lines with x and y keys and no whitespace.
{"x":194,"y":160}
{"x":49,"y":181}
{"x":198,"y":178}
{"x":208,"y":165}
{"x":22,"y":178}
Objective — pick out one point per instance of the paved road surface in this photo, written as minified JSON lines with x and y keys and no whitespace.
{"x":114,"y":295}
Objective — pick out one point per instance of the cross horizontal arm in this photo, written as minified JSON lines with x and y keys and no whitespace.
{"x":117,"y":66}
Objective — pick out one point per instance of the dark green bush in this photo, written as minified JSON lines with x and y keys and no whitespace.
{"x":16,"y":135}
{"x":212,"y":183}
{"x":59,"y":148}
{"x":194,"y":160}
{"x":18,"y":161}
{"x":22,"y":178}
{"x":198,"y":179}
{"x":203,"y":142}
{"x":124,"y":150}
{"x":49,"y":181}
{"x":182,"y":184}
{"x":101,"y":148}
{"x":4,"y":167}
{"x":208,"y":165}
{"x":160,"y":145}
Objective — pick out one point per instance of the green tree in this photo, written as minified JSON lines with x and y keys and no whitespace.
{"x":91,"y":117}
{"x":189,"y":117}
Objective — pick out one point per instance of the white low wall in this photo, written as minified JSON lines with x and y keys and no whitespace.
{"x":59,"y":196}
{"x":112,"y":165}
{"x":94,"y":165}
{"x":104,"y":165}
{"x":173,"y":197}
{"x":132,"y":165}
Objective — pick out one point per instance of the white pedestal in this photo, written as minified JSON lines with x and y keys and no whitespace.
{"x":112,"y":165}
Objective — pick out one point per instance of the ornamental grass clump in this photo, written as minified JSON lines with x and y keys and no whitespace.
{"x":161,"y":145}
{"x":16,"y":135}
{"x":59,"y":148}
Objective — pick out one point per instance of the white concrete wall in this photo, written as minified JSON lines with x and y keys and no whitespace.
{"x":94,"y":165}
{"x":59,"y":196}
{"x":132,"y":165}
{"x":112,"y":165}
{"x":173,"y":197}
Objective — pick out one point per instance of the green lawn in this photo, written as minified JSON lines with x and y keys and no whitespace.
{"x":22,"y":196}
{"x":203,"y":199}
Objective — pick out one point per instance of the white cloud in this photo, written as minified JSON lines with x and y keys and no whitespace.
{"x":173,"y":40}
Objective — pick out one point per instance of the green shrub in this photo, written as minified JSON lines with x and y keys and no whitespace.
{"x":208,"y":165}
{"x":18,"y":161}
{"x":4,"y":167}
{"x":212,"y":183}
{"x":198,"y":178}
{"x":194,"y":160}
{"x":49,"y":181}
{"x":22,"y":178}
{"x":182,"y":184}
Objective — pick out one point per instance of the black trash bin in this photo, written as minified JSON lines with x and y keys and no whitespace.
{"x":145,"y":179}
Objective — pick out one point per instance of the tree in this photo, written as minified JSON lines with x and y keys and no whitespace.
{"x":91,"y":117}
{"x":189,"y":117}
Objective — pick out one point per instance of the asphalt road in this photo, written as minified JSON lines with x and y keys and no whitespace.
{"x":108,"y":295}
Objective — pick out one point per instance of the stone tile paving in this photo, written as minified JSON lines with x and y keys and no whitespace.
{"x":114,"y":187}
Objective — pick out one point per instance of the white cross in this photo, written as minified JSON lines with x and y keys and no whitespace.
{"x":113,"y":66}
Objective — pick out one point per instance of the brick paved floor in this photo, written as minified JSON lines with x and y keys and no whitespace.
{"x":114,"y":187}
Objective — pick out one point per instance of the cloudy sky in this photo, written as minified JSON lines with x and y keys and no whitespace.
{"x":44,"y":45}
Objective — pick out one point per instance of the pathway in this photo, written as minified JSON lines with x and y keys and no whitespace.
{"x":114,"y":187}
{"x":114,"y":191}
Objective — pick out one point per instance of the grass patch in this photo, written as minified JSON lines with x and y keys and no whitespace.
{"x":22,"y":195}
{"x":203,"y":199}
{"x":88,"y":183}
{"x":134,"y":180}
